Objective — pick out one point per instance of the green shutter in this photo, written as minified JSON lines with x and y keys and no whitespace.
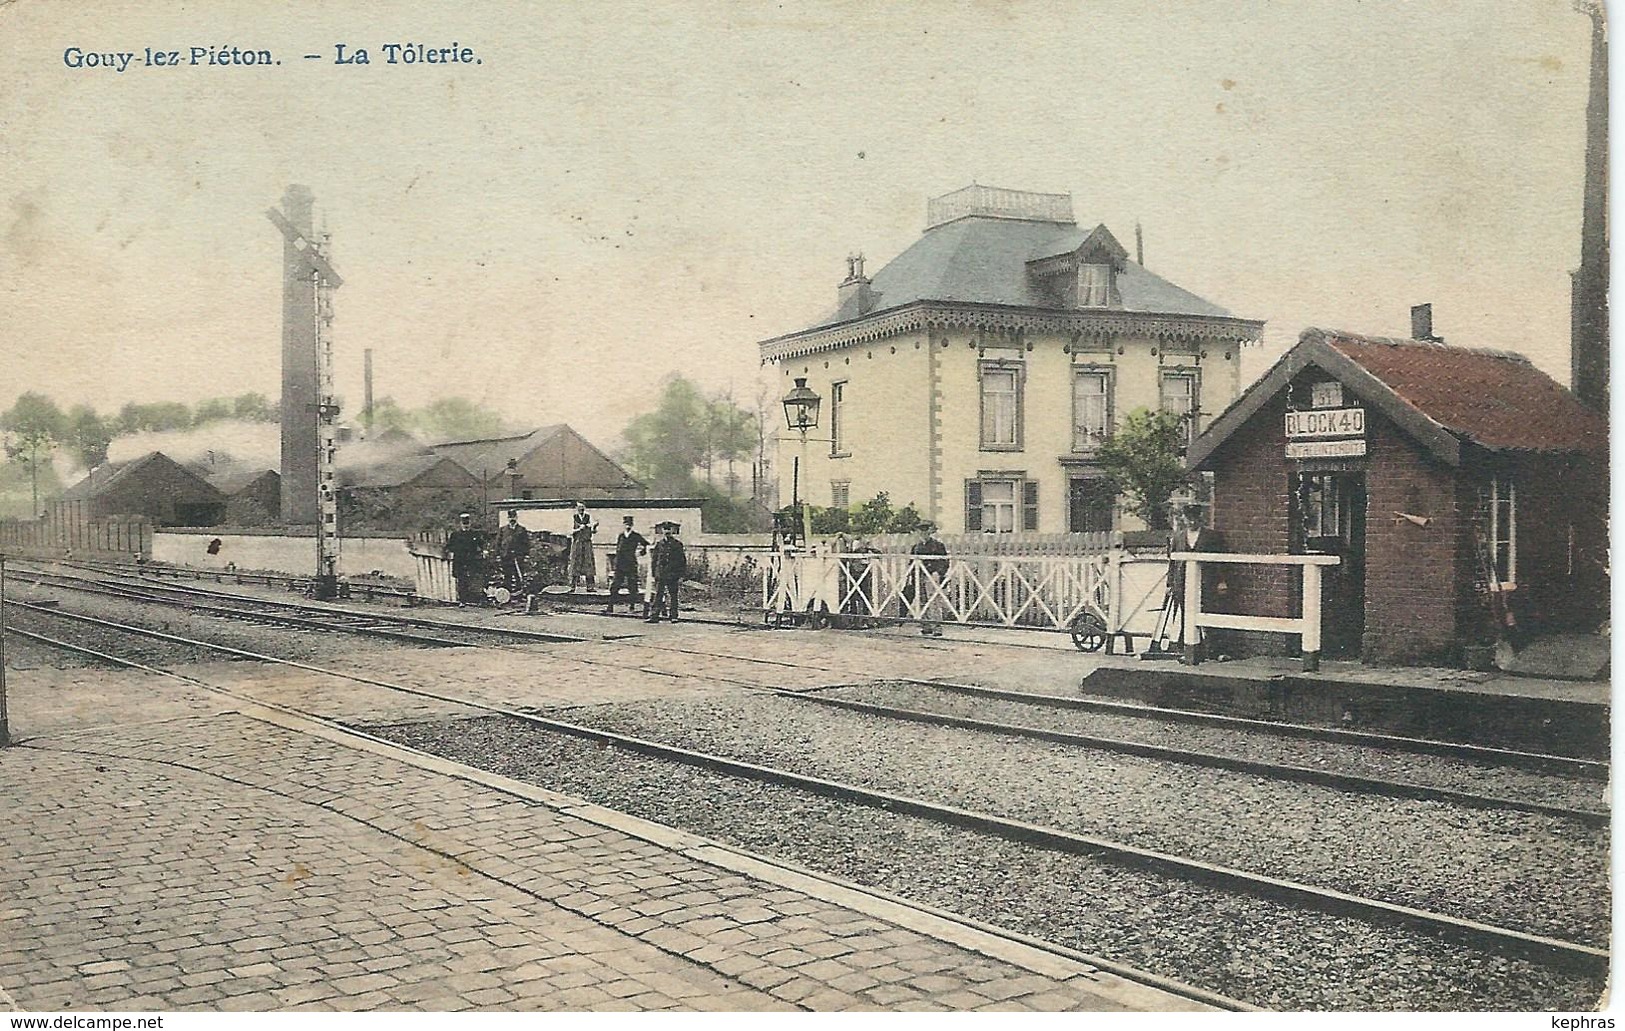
{"x":1029,"y":504}
{"x":973,"y":506}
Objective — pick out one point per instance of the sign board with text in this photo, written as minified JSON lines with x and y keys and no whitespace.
{"x":1325,"y":422}
{"x":1326,"y":448}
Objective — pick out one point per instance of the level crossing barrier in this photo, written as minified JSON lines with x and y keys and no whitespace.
{"x":1091,"y":594}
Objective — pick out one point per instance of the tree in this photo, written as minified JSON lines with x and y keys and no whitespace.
{"x":253,"y":407}
{"x":154,"y":418}
{"x":1143,"y":460}
{"x":455,"y":418}
{"x":88,"y":434}
{"x":214,"y":409}
{"x":387,"y":414}
{"x":686,"y":432}
{"x":33,"y":426}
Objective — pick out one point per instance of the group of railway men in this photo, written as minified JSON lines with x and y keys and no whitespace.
{"x":471,"y":558}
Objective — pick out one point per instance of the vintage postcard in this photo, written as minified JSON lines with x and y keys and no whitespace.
{"x":734,"y":506}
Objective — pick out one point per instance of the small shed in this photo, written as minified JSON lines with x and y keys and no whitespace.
{"x":1464,"y":491}
{"x":253,"y":495}
{"x":153,"y":486}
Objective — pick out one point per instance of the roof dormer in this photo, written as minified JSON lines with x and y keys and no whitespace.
{"x":1081,"y":274}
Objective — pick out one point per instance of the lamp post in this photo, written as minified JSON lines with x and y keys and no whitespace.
{"x":801,"y":415}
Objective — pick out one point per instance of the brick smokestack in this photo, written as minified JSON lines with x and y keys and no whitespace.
{"x":1588,"y":325}
{"x":298,"y":363}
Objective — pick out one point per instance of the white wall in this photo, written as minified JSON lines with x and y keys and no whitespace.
{"x":297,"y":555}
{"x":608,"y":517}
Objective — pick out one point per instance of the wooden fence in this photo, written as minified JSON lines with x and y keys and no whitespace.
{"x":61,"y":534}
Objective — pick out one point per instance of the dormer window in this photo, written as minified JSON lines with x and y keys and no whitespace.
{"x":1094,"y":285}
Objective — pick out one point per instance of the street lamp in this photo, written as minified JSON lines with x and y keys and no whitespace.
{"x":801,"y":415}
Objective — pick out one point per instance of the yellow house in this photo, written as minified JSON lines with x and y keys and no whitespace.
{"x":976,"y":374}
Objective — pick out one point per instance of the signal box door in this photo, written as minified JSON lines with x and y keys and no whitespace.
{"x":1328,"y":518}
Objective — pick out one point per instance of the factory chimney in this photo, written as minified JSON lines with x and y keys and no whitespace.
{"x":1588,"y":322}
{"x":366,"y":395}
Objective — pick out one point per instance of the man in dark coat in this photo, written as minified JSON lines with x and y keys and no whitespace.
{"x":926,"y":574}
{"x":465,"y":546}
{"x":513,"y":544}
{"x":628,"y":546}
{"x":668,"y":565}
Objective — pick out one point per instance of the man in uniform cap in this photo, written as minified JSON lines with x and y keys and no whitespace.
{"x":669,"y":565}
{"x":513,"y":544}
{"x":465,"y":546}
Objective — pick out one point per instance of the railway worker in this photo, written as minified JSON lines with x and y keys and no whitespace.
{"x":1189,"y":533}
{"x":628,"y":546}
{"x":926,"y":572}
{"x":669,"y":565}
{"x":513,"y":544}
{"x":465,"y":546}
{"x":582,"y":528}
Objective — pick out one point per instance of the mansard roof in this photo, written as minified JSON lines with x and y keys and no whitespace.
{"x":983,"y":260}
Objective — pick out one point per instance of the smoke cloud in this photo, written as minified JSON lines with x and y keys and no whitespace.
{"x":224,"y":443}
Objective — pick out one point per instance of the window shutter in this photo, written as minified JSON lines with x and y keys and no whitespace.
{"x":1029,"y":504}
{"x":973,"y":506}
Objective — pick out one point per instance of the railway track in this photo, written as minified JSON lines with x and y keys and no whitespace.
{"x":1568,"y":956}
{"x":302,"y":616}
{"x":409,"y":630}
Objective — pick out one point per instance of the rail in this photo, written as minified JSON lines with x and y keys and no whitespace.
{"x":1305,"y":625}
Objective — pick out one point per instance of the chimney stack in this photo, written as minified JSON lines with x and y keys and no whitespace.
{"x":1422,"y":323}
{"x":854,"y":294}
{"x":366,"y":395}
{"x":1139,"y":245}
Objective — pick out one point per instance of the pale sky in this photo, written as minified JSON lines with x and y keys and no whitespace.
{"x":624,"y":190}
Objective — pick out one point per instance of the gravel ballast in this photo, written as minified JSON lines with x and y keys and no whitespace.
{"x":1263,"y":952}
{"x":1530,"y":872}
{"x":1456,"y":774}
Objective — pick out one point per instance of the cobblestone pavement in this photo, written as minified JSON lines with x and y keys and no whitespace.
{"x":167,"y":848}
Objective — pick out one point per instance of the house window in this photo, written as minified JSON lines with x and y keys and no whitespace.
{"x":1001,"y":503}
{"x":1498,"y":528}
{"x":1091,"y":506}
{"x":1001,"y":408}
{"x":1094,"y":285}
{"x":840,"y":494}
{"x":1091,"y":408}
{"x":837,"y":420}
{"x":1179,"y":397}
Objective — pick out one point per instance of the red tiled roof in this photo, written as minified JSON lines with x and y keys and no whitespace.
{"x":1493,"y":398}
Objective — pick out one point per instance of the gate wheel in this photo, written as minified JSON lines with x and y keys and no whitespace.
{"x":1088,"y":633}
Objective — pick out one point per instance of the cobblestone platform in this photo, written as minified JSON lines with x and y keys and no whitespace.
{"x":165,"y":849}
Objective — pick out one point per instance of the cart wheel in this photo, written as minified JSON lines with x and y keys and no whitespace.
{"x":1088,"y":633}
